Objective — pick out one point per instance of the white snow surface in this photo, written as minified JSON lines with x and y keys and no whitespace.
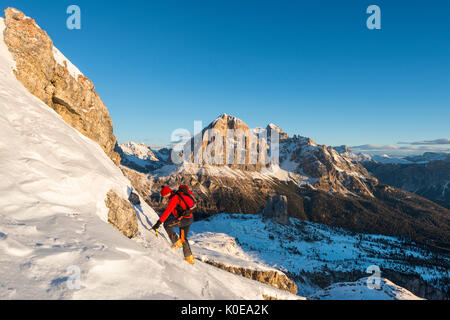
{"x":53,"y":217}
{"x":222,"y":248}
{"x":358,"y":290}
{"x":305,"y":248}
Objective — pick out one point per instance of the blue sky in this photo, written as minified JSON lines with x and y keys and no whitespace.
{"x":311,"y":67}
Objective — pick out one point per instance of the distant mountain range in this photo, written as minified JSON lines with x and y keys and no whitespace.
{"x":426,"y":175}
{"x":385,"y":158}
{"x":321,"y":185}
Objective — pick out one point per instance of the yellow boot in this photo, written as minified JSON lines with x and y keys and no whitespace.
{"x":178,"y":244}
{"x":190,"y":259}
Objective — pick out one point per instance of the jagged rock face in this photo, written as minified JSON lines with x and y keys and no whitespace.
{"x":329,"y":171}
{"x":272,"y":278}
{"x":37,"y":69}
{"x":214,"y":193}
{"x":276,"y":209}
{"x":281,"y":134}
{"x":227,"y":141}
{"x":121,"y":214}
{"x":142,"y":158}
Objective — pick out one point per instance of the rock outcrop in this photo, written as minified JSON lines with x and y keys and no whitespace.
{"x":276,"y":209}
{"x":272,"y":278}
{"x":121,"y":214}
{"x":281,"y":134}
{"x":45,"y":72}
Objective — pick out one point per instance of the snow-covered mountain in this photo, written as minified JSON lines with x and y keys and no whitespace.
{"x":138,"y":150}
{"x":142,"y":157}
{"x":362,"y":157}
{"x":428,"y":157}
{"x":426,"y":175}
{"x":430,"y":180}
{"x":68,"y":230}
{"x":386,"y":158}
{"x":322,"y":259}
{"x":320,"y":184}
{"x":57,"y":216}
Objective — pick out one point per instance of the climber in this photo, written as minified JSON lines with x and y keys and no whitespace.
{"x":181,"y":204}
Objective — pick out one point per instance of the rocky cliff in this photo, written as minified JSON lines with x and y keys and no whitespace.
{"x":272,"y":278}
{"x":45,"y":72}
{"x":227,"y":141}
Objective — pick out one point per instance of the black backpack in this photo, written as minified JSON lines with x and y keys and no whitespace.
{"x":184,"y":191}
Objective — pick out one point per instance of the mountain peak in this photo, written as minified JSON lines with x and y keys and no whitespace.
{"x":273,"y":127}
{"x":226,"y":122}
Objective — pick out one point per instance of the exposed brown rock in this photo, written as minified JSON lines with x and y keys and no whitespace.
{"x":330,"y":171}
{"x":272,"y":278}
{"x":121,"y":214}
{"x":74,"y":99}
{"x":230,"y":142}
{"x":139,"y":181}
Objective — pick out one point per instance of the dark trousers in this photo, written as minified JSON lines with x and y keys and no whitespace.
{"x":184,"y":225}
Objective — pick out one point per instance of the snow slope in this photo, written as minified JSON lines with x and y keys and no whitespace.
{"x":305,"y":249}
{"x":53,"y":219}
{"x":359,"y":290}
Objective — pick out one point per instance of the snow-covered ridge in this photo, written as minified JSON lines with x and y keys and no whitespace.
{"x":138,"y":150}
{"x":220,"y":247}
{"x":64,"y":62}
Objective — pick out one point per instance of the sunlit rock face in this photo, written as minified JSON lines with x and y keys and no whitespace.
{"x":49,"y":76}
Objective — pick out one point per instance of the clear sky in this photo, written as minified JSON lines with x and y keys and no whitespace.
{"x":311,"y":67}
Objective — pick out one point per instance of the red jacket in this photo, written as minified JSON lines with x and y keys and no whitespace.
{"x":174,"y":201}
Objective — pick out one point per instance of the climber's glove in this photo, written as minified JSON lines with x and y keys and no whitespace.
{"x":156,"y":226}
